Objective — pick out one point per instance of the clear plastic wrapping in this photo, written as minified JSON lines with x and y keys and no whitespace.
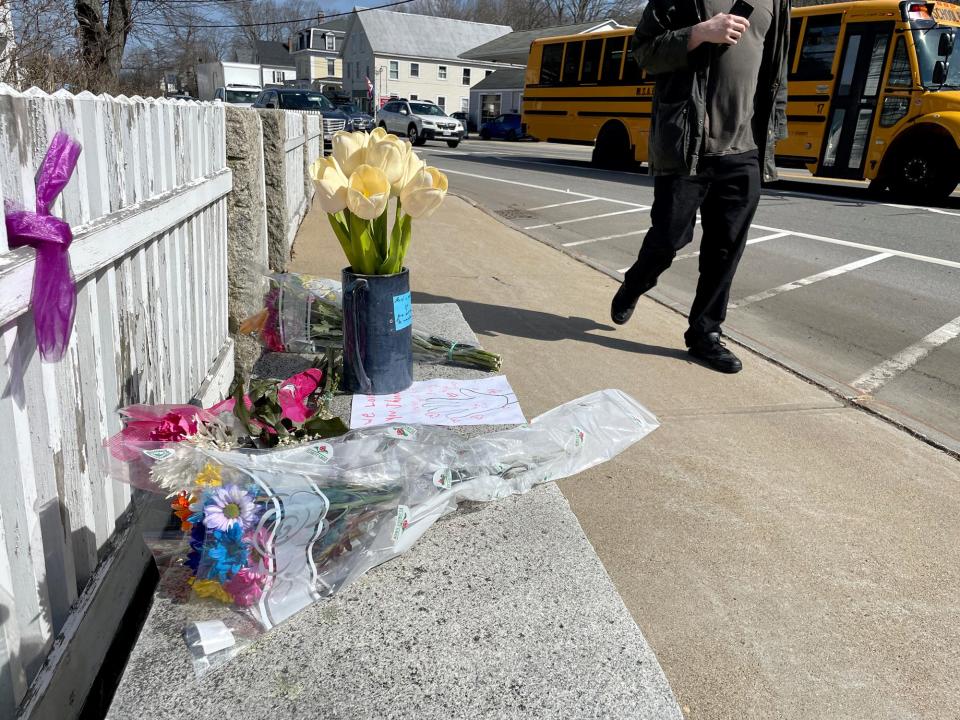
{"x":261,"y":534}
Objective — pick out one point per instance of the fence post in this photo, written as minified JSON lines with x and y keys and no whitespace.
{"x":274,"y":149}
{"x":247,"y":230}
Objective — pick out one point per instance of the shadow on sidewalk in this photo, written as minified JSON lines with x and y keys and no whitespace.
{"x":491,"y":320}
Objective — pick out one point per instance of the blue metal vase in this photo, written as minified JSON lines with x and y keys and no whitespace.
{"x":377,"y":333}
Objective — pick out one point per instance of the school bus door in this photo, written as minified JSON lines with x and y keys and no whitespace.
{"x":856,"y":92}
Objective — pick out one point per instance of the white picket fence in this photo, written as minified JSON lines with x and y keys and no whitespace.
{"x":304,"y":145}
{"x":147,"y":206}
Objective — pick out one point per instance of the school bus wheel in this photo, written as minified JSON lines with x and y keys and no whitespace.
{"x":612,"y":148}
{"x":922,"y":169}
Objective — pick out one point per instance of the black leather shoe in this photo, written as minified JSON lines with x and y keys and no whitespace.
{"x":622,"y":306}
{"x":714,"y":353}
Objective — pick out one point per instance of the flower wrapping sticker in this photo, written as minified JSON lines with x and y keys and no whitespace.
{"x":323,"y":452}
{"x":405,"y":432}
{"x":443,"y":478}
{"x":403,"y":522}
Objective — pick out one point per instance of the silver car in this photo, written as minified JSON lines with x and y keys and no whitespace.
{"x":420,"y":121}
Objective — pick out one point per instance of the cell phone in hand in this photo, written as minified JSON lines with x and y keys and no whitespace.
{"x":741,"y":8}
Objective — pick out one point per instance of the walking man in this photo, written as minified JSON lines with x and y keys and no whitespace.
{"x":718,"y":110}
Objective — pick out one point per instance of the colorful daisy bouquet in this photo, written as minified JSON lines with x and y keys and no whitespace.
{"x":304,"y":314}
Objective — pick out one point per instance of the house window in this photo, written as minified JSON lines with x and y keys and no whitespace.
{"x":394,"y":70}
{"x":466,"y":76}
{"x":441,"y":72}
{"x":331,"y":67}
{"x":356,"y":69}
{"x":442,"y":102}
{"x":489,"y":107}
{"x":464,"y":104}
{"x":331,"y":42}
{"x":414,"y":97}
{"x":414,"y":69}
{"x":278,"y":77}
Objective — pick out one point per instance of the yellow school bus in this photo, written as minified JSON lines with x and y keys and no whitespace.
{"x":874,"y":93}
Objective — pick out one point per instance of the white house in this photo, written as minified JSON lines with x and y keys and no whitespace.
{"x":316,"y":53}
{"x":415,"y":57}
{"x":502,"y":92}
{"x":276,"y":64}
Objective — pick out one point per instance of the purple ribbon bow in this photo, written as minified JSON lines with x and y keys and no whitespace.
{"x":54,"y":295}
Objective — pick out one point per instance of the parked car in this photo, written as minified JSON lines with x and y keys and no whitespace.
{"x":356,"y":118}
{"x":466,"y":121}
{"x":506,"y":126}
{"x":282,"y":98}
{"x":420,"y":121}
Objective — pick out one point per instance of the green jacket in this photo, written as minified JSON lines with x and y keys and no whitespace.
{"x":679,"y":106}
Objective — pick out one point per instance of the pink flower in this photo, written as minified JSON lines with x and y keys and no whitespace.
{"x":293,"y":393}
{"x":246,"y":587}
{"x":229,"y":506}
{"x":175,"y":426}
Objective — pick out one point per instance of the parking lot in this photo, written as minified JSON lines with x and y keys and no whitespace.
{"x":857,"y":293}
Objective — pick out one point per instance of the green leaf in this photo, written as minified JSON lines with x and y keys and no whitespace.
{"x":325,"y":427}
{"x":339,"y":226}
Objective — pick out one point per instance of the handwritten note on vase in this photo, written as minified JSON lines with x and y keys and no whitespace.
{"x":487,"y":401}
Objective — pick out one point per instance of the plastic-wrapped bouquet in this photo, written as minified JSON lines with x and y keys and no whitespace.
{"x":304,"y":314}
{"x":257,"y":535}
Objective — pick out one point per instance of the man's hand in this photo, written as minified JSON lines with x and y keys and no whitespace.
{"x":722,"y":29}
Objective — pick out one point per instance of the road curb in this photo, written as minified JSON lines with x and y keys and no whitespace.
{"x":846,"y":394}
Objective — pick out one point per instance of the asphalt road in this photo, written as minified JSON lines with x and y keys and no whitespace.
{"x":861,"y":295}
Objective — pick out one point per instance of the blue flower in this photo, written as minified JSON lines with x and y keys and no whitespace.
{"x":226,"y":553}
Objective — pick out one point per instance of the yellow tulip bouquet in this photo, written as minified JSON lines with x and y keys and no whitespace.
{"x":354,"y":186}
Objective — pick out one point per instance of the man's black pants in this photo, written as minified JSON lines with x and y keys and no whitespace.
{"x":726,"y":190}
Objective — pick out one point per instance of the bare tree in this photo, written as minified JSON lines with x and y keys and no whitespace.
{"x":286,"y":17}
{"x":102,"y":41}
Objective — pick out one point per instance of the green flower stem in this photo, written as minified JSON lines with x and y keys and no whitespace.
{"x":363,"y":245}
{"x":340,"y":229}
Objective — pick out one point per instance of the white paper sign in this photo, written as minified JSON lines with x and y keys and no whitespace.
{"x":487,"y":401}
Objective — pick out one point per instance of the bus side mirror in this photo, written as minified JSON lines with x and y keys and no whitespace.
{"x":945,"y":47}
{"x":939,"y":72}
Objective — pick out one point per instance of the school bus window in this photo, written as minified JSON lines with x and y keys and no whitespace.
{"x":818,"y":48}
{"x":632,"y":72}
{"x":591,"y":61}
{"x":795,"y":25}
{"x":894,"y":108}
{"x":612,"y":60}
{"x":571,"y":63}
{"x":899,"y":68}
{"x":550,"y":64}
{"x":875,"y":71}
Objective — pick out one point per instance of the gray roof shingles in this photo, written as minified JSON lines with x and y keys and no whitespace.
{"x":503,"y":79}
{"x":406,"y":34}
{"x":514,"y":47}
{"x":273,"y":54}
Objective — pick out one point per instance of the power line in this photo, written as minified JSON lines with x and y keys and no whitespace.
{"x":274,"y":22}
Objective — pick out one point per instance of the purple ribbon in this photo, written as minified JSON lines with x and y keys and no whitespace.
{"x":54,"y":295}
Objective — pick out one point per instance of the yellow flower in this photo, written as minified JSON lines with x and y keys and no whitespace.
{"x":331,"y":184}
{"x":388,"y":153}
{"x":377,"y":134}
{"x":412,"y":165}
{"x":350,"y":150}
{"x":368,"y":192}
{"x":424,"y":193}
{"x":212,"y":589}
{"x":209,"y":476}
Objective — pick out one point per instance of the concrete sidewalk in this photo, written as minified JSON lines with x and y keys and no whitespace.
{"x":785,"y":555}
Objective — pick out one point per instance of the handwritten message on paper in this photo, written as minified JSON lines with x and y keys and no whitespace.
{"x":488,"y":401}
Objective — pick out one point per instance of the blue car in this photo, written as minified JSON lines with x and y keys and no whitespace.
{"x":506,"y":126}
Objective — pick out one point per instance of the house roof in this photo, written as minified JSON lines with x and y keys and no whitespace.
{"x":394,"y":33}
{"x":272,"y":54}
{"x":338,"y":24}
{"x":503,"y":79}
{"x":514,"y":48}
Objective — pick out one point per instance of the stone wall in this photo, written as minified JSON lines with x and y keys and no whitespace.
{"x":247,"y":227}
{"x":274,"y":142}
